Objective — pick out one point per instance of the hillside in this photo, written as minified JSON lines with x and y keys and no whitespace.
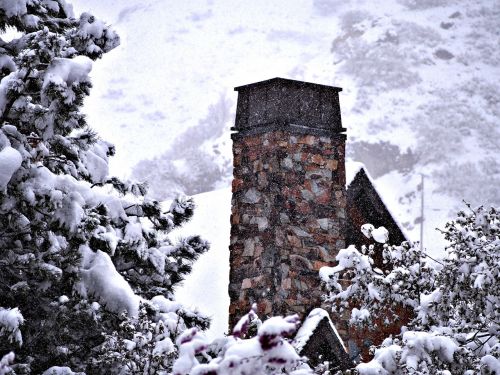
{"x":419,"y":94}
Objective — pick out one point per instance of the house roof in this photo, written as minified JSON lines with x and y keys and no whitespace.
{"x":359,"y":182}
{"x":352,"y":168}
{"x":310,"y":325}
{"x":318,"y":339}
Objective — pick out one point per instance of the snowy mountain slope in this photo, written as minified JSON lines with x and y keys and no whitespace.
{"x":162,"y":78}
{"x":423,"y":72}
{"x":418,"y":77}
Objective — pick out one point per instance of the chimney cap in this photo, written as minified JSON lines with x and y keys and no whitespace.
{"x":286,"y":104}
{"x":286,"y":81}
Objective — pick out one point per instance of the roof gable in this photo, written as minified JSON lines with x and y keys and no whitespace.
{"x":319,"y":341}
{"x":366,"y":205}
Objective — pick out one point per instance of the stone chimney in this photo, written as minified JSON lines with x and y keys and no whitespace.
{"x":289,"y":198}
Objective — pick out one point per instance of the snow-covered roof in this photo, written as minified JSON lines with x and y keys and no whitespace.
{"x":308,"y":327}
{"x":352,"y":168}
{"x":318,"y":340}
{"x":207,"y":286}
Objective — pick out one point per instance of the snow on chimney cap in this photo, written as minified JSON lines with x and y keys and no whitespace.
{"x":286,"y":104}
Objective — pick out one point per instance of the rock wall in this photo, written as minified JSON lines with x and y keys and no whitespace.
{"x":288,"y":220}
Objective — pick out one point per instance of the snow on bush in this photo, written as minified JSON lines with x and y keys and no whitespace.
{"x":380,"y":234}
{"x":102,"y":281}
{"x":58,"y":370}
{"x":268,"y":352}
{"x":145,"y":344}
{"x":455,"y":301}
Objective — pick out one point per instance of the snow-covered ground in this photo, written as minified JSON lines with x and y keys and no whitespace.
{"x":207,"y":285}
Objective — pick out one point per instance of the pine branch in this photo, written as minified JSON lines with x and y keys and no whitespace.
{"x":13,"y":99}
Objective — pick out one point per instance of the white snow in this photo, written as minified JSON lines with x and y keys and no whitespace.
{"x":102,"y":281}
{"x":68,"y":71}
{"x":5,"y":363}
{"x":276,"y":325}
{"x":190,"y":343}
{"x":207,"y":286}
{"x":309,"y":326}
{"x":51,"y":5}
{"x":165,"y":305}
{"x":425,"y":302}
{"x":96,"y":162}
{"x":94,"y":28}
{"x":383,"y":359}
{"x":416,"y":349}
{"x":352,"y":258}
{"x":359,"y":315}
{"x":6,"y":62}
{"x":73,"y":192}
{"x":380,"y":234}
{"x":71,"y":213}
{"x":13,"y":7}
{"x":10,"y":161}
{"x":63,"y":299}
{"x":265,"y":352}
{"x":492,"y":363}
{"x":58,"y":370}
{"x":10,"y":321}
{"x":367,"y":230}
{"x":421,"y":342}
{"x":68,"y":8}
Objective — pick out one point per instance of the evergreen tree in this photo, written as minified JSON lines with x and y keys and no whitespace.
{"x":455,"y":301}
{"x":82,"y":255}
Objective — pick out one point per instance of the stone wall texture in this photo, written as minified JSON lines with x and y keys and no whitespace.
{"x":288,"y":220}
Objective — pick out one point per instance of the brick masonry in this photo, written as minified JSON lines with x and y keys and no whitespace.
{"x":288,"y":219}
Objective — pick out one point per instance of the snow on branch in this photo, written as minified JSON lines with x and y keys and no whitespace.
{"x":455,"y":323}
{"x":269,"y":352}
{"x":10,"y":320}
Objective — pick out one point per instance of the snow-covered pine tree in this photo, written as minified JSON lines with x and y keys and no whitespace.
{"x":455,"y":300}
{"x":81,"y":254}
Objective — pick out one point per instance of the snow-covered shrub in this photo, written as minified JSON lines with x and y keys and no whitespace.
{"x":77,"y":248}
{"x":268,"y":352}
{"x":456,"y":301}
